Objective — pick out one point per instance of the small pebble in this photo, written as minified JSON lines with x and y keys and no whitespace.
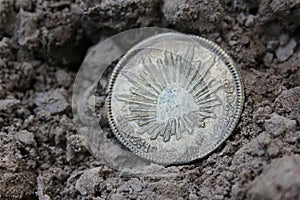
{"x":241,"y":18}
{"x":272,"y":45}
{"x":88,"y":181}
{"x":250,"y":21}
{"x":284,"y":52}
{"x":219,"y":40}
{"x":268,"y":59}
{"x":283,"y":39}
{"x":233,"y":43}
{"x":26,"y":137}
{"x":78,"y":143}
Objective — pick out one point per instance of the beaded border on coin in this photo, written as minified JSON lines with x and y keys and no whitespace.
{"x":211,"y":46}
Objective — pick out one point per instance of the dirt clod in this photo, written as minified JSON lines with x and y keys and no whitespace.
{"x":280,"y":180}
{"x":193,"y":15}
{"x":52,"y":101}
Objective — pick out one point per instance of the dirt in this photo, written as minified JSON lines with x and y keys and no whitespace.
{"x":42,"y":44}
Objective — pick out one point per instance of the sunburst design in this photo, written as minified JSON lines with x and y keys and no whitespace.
{"x":171,"y":96}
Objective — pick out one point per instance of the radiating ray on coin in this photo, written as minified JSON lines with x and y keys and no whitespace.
{"x":150,"y":83}
{"x":131,"y":99}
{"x":202,"y":87}
{"x":212,"y":90}
{"x":166,"y":132}
{"x":141,"y":93}
{"x":202,"y":73}
{"x":156,"y":131}
{"x":158,"y":72}
{"x":151,"y":69}
{"x":207,"y":100}
{"x":188,"y":124}
{"x":136,"y":81}
{"x":211,"y":104}
{"x":179,"y":129}
{"x":147,"y":128}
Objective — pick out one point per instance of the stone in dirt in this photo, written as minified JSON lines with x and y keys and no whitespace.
{"x":268,"y":59}
{"x":272,"y":45}
{"x":77,"y":146}
{"x":52,"y":101}
{"x":284,"y":38}
{"x":250,"y":21}
{"x":284,"y":52}
{"x":26,"y":138}
{"x":88,"y":181}
{"x":280,"y":180}
{"x":241,"y":18}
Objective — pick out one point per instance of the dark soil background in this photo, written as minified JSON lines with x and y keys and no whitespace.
{"x":42,"y":44}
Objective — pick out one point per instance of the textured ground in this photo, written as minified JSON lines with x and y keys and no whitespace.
{"x":42,"y":44}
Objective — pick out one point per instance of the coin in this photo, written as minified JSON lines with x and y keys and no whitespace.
{"x":174,"y":98}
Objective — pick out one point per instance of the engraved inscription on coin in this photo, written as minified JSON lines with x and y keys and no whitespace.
{"x":174,"y":98}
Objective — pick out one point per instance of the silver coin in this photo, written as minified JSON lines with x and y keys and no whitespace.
{"x":174,"y":98}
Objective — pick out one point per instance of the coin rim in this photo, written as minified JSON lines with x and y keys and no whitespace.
{"x":209,"y":45}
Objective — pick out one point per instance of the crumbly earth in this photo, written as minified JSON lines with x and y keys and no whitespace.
{"x":42,"y":44}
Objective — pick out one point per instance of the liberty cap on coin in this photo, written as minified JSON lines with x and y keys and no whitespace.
{"x":174,"y":98}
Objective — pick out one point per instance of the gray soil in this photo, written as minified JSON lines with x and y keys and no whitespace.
{"x":42,"y":44}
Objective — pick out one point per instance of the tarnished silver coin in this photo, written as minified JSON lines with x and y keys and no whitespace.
{"x":174,"y":98}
